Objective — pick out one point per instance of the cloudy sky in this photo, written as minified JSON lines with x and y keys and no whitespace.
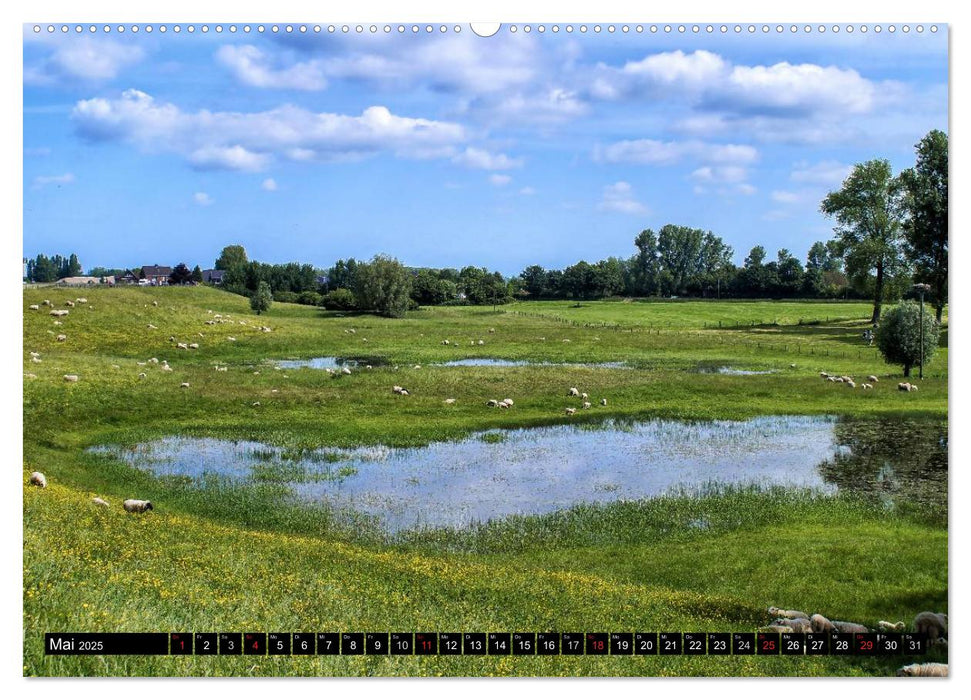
{"x":451,"y":149}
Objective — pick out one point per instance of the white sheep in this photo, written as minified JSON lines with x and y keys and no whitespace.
{"x":36,"y":360}
{"x":885,"y":626}
{"x":70,"y":377}
{"x":824,"y":375}
{"x":603,"y":402}
{"x":257,"y":403}
{"x":184,"y":385}
{"x":417,"y":367}
{"x":61,"y":338}
{"x":570,"y":411}
{"x":193,"y":346}
{"x":81,"y":300}
{"x":38,"y":479}
{"x":346,"y":370}
{"x":584,"y":396}
{"x":832,"y":379}
{"x":231,"y":339}
{"x":182,"y":346}
{"x":800,"y":625}
{"x":134,"y":505}
{"x":903,"y":386}
{"x":59,"y":312}
{"x":821,"y":624}
{"x":481,"y":342}
{"x":35,"y":307}
{"x":221,"y":369}
{"x":404,"y":392}
{"x":866,"y":386}
{"x":446,"y":342}
{"x":927,"y":669}
{"x":449,"y":401}
{"x":503,"y":404}
{"x":492,"y":330}
{"x":932,"y":624}
{"x":166,"y":367}
{"x":100,"y":502}
{"x":873,"y":378}
{"x":492,"y":403}
{"x":586,"y":404}
{"x":782,"y":612}
{"x":69,"y":303}
{"x":573,"y":391}
{"x":152,"y":327}
{"x":153,"y":360}
{"x":851,"y":384}
{"x":46,"y":302}
{"x":30,"y":375}
{"x":154,"y":303}
{"x":142,"y":375}
{"x":509,"y":401}
{"x":140,"y":364}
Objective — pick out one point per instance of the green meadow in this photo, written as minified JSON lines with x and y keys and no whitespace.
{"x":246,"y":557}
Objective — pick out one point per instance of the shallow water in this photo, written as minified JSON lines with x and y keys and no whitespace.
{"x":497,"y":362}
{"x":735,"y":372}
{"x":536,"y":470}
{"x":330,"y":362}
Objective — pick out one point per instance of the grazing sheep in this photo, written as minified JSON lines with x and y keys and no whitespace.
{"x":449,"y":401}
{"x":257,"y":403}
{"x":492,"y":403}
{"x":873,"y":378}
{"x":792,"y":365}
{"x":115,"y":366}
{"x":851,"y":384}
{"x":154,"y":303}
{"x":567,"y":340}
{"x":396,"y":389}
{"x":492,"y":330}
{"x":70,"y":377}
{"x":790,"y":614}
{"x":231,"y":339}
{"x":38,"y":479}
{"x":35,"y":307}
{"x":142,"y":375}
{"x":193,"y":346}
{"x":56,"y":323}
{"x":838,"y":379}
{"x":832,"y":379}
{"x":586,"y":404}
{"x":153,"y":360}
{"x":503,"y":404}
{"x":171,"y":338}
{"x":584,"y":396}
{"x":932,"y":624}
{"x":885,"y":626}
{"x":927,"y":669}
{"x":184,"y":385}
{"x":417,"y":367}
{"x":134,"y":505}
{"x":141,"y":364}
{"x":821,"y":624}
{"x":905,"y":386}
{"x":46,"y":302}
{"x":603,"y":402}
{"x":165,"y":367}
{"x":573,"y":391}
{"x":100,"y":502}
{"x":800,"y":625}
{"x":866,"y":386}
{"x":221,"y":369}
{"x":570,"y":411}
{"x":256,"y":372}
{"x":346,"y":370}
{"x":81,"y":300}
{"x":446,"y":342}
{"x":509,"y":401}
{"x":36,"y":360}
{"x":182,"y":346}
{"x":913,"y":387}
{"x":61,"y":338}
{"x":824,"y":375}
{"x":30,"y":375}
{"x":481,"y":342}
{"x":69,"y":303}
{"x":849,"y":627}
{"x":59,"y":312}
{"x":404,"y":392}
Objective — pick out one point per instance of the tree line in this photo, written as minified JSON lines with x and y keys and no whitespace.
{"x":51,"y":269}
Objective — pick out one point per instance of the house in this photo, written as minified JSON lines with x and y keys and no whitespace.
{"x":128,"y":277}
{"x":155,"y":274}
{"x":78,"y":281}
{"x":213,"y":276}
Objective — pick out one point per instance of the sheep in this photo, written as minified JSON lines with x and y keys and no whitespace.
{"x":100,"y":502}
{"x":38,"y":479}
{"x":567,"y":340}
{"x":824,"y":375}
{"x":404,"y":392}
{"x":115,"y":366}
{"x":417,"y":367}
{"x":782,"y":612}
{"x":913,"y":387}
{"x":849,"y":627}
{"x":800,"y":625}
{"x":59,"y":312}
{"x":69,"y":303}
{"x":141,"y":364}
{"x":586,"y":404}
{"x":184,"y":385}
{"x":573,"y":391}
{"x":449,"y":401}
{"x":777,"y":629}
{"x":35,"y":307}
{"x":792,"y":365}
{"x":873,"y":378}
{"x":153,"y":360}
{"x":851,"y":384}
{"x":509,"y":401}
{"x":346,"y":370}
{"x":821,"y":624}
{"x":257,"y":403}
{"x":166,"y":368}
{"x":503,"y":404}
{"x":56,"y":323}
{"x":193,"y":346}
{"x":492,"y":403}
{"x":30,"y":375}
{"x":838,"y":379}
{"x":34,"y":354}
{"x":154,"y":303}
{"x":36,"y":360}
{"x":46,"y":302}
{"x":934,"y":625}
{"x":221,"y":369}
{"x":61,"y":338}
{"x":446,"y":342}
{"x":481,"y":342}
{"x":134,"y":505}
{"x":927,"y":669}
{"x":182,"y":346}
{"x":142,"y":375}
{"x":570,"y":411}
{"x":152,"y":327}
{"x":70,"y":377}
{"x":603,"y":402}
{"x":885,"y":626}
{"x":866,"y":386}
{"x":904,"y":386}
{"x":584,"y":396}
{"x":492,"y":330}
{"x":231,"y":339}
{"x":81,"y":300}
{"x":832,"y":379}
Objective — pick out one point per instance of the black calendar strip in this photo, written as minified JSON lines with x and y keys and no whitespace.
{"x":483,"y":644}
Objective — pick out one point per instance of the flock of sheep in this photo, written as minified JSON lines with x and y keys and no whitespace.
{"x":131,"y":505}
{"x":868,"y":384}
{"x":931,"y":624}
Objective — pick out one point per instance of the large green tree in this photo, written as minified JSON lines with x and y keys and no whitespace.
{"x":262,"y":299}
{"x":383,"y":286}
{"x":899,"y":336}
{"x":926,"y":227}
{"x":869,"y":211}
{"x":231,"y":256}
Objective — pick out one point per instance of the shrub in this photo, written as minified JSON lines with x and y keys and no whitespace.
{"x":339,"y":300}
{"x":898,"y":336}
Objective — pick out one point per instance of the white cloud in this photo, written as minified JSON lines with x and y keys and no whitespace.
{"x":651,"y":152}
{"x":619,"y":198}
{"x":269,"y":185}
{"x":527,"y":191}
{"x":785,"y":197}
{"x":829,"y":173}
{"x":499,"y":180}
{"x":249,"y":141}
{"x":44,"y":180}
{"x":746,"y":188}
{"x":539,"y":106}
{"x":254,"y":67}
{"x":720,"y":173}
{"x":482,"y":159}
{"x":83,"y":58}
{"x":202,"y":199}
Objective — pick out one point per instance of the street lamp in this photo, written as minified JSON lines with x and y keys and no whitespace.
{"x":922,"y":288}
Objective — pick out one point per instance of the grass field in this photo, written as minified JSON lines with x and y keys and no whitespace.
{"x":247,"y":559}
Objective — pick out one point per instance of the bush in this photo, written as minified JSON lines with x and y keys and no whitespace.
{"x":898,"y":336}
{"x":286,"y":297}
{"x":309,"y":298}
{"x":339,"y":300}
{"x":262,"y":299}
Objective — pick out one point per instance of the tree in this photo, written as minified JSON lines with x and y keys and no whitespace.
{"x":197,"y":274}
{"x":898,"y":336}
{"x":181,"y":274}
{"x":262,"y":300}
{"x":73,"y":268}
{"x":869,"y":211}
{"x":926,"y":228}
{"x":339,"y":299}
{"x":646,"y":263}
{"x":428,"y":289}
{"x":383,"y":286}
{"x":230,"y":257}
{"x":534,"y":281}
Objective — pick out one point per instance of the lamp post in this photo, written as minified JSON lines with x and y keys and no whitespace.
{"x":921,"y":288}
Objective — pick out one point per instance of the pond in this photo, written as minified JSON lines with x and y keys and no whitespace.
{"x":538,"y":470}
{"x":498,"y":362}
{"x":734,"y":371}
{"x":331,"y":362}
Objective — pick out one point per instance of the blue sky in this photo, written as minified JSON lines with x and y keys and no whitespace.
{"x":447,"y":150}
